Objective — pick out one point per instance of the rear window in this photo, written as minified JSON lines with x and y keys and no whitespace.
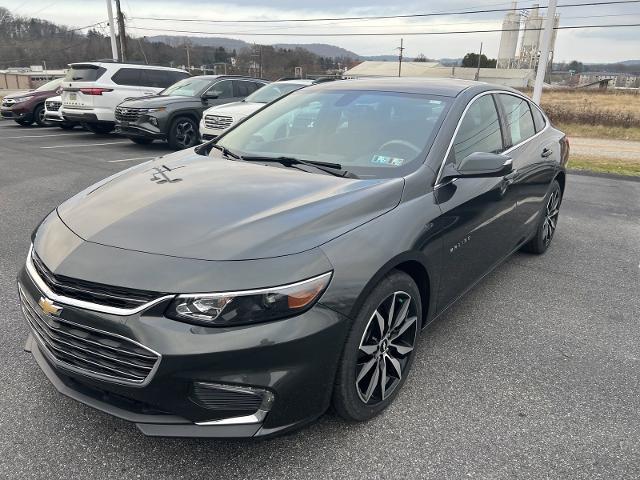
{"x":84,"y":73}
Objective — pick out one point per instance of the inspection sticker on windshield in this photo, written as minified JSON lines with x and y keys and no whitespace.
{"x":385,"y":160}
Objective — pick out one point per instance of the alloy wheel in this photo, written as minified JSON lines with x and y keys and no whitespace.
{"x":41,"y":118}
{"x":551,"y":217}
{"x":185,"y":134}
{"x":385,"y":348}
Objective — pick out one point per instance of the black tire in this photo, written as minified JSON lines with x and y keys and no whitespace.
{"x":357,"y":393}
{"x":99,"y":128}
{"x":183,"y":133}
{"x":548,"y":221}
{"x":67,"y":126}
{"x":142,"y":141}
{"x":38,"y":116}
{"x":24,"y":123}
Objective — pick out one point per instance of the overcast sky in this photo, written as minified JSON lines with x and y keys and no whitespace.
{"x":592,"y":45}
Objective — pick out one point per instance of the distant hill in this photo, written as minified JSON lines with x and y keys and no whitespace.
{"x":380,"y":58}
{"x":230,"y":44}
{"x":321,"y":49}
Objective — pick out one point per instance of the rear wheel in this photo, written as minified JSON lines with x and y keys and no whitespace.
{"x":379,"y":350}
{"x":183,"y":133}
{"x":38,"y":115}
{"x":548,"y":223}
{"x":142,"y":141}
{"x":67,"y":126}
{"x":99,"y":128}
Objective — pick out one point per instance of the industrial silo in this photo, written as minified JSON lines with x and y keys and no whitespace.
{"x":530,"y":44}
{"x":509,"y":38}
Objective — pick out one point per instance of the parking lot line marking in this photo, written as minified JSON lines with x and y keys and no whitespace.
{"x":86,"y":145}
{"x":42,"y":136}
{"x":130,"y":159}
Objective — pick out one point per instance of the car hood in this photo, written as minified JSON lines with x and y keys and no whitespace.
{"x":235,"y":109}
{"x":191,"y":206}
{"x":22,"y":94}
{"x":156,"y":101}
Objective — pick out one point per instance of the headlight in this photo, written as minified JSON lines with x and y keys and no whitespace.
{"x":249,"y":306}
{"x":157,"y":109}
{"x":21,"y":99}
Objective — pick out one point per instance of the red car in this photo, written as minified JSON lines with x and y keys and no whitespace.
{"x":28,"y":107}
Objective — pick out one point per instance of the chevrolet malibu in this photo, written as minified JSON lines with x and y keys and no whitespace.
{"x":242,"y":287}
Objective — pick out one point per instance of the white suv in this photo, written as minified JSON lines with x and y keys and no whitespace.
{"x":216,"y":120}
{"x":92,"y":90}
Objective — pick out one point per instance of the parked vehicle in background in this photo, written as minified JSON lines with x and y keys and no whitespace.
{"x":174,"y":113}
{"x":53,"y":115}
{"x":28,"y":107}
{"x":92,"y":90}
{"x":241,"y":287}
{"x":217,"y":119}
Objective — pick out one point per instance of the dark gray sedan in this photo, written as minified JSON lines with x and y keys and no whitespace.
{"x":240,"y":288}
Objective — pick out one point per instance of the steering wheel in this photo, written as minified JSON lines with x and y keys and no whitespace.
{"x":402,"y":143}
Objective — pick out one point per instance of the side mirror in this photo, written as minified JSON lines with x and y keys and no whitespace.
{"x":211,"y":95}
{"x":479,"y":164}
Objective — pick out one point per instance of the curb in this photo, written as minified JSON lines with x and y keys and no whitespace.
{"x":613,"y":176}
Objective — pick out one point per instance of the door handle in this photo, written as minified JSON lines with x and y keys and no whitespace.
{"x":547,"y":152}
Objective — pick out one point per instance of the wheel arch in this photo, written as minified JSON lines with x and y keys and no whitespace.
{"x":413,"y":264}
{"x":191,"y":114}
{"x":561,"y":177}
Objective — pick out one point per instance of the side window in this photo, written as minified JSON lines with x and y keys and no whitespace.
{"x":479,"y":130}
{"x":518,"y":117}
{"x":158,"y":78}
{"x":258,"y":85}
{"x":538,"y":118}
{"x":128,"y":76}
{"x":223,"y":89}
{"x":243,"y":88}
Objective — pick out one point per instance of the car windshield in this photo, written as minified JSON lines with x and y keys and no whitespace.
{"x":271,"y":92}
{"x":189,"y":87}
{"x":50,"y":86}
{"x":369,"y":133}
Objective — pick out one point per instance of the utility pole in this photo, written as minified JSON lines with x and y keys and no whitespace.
{"x":544,"y":54}
{"x":112,"y":30}
{"x":479,"y":60}
{"x":187,"y":45}
{"x":400,"y":49}
{"x":123,"y":37}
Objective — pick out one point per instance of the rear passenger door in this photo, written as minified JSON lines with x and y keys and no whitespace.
{"x":477,"y":213}
{"x":532,"y":155}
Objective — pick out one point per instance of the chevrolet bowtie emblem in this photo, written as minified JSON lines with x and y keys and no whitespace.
{"x":49,"y":307}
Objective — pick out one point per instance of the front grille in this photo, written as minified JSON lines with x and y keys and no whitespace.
{"x":53,"y":106}
{"x":7,"y":102}
{"x":218,"y":397}
{"x":97,"y":293}
{"x":217,"y":122}
{"x":88,"y":350}
{"x":126,"y":114}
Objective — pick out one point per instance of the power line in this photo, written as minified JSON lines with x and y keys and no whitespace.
{"x":366,"y":34}
{"x":377,"y":17}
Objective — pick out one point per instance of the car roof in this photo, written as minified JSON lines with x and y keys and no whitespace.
{"x":128,"y":65}
{"x":447,"y":87}
{"x":299,"y":81}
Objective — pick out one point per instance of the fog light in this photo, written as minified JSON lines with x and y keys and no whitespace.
{"x":236,"y":404}
{"x":153,"y":121}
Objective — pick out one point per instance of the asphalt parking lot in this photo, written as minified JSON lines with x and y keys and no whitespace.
{"x":534,"y":374}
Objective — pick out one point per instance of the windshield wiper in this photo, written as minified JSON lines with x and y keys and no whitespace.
{"x":334,"y":169}
{"x":226,"y":152}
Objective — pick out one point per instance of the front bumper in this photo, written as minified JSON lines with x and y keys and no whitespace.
{"x":294,"y":359}
{"x":16,"y":112}
{"x":134,"y":130}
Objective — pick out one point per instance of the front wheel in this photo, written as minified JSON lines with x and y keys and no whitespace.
{"x":548,"y":223}
{"x":183,"y":133}
{"x":24,"y":123}
{"x":67,"y":126}
{"x":379,"y":350}
{"x":38,"y":115}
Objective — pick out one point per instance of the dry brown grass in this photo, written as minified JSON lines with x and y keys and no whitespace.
{"x":604,"y":165}
{"x":610,"y":108}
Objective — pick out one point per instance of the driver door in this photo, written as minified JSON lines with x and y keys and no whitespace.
{"x":477,"y":213}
